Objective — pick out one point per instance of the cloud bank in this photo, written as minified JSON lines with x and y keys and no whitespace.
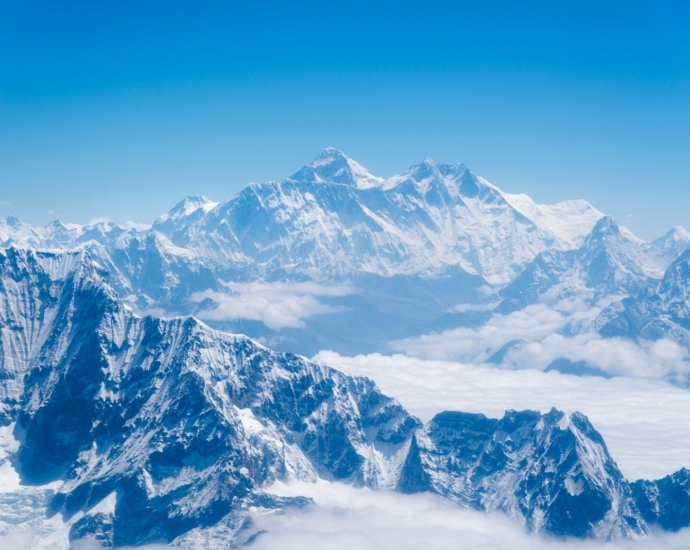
{"x":348,"y":518}
{"x":542,"y":336}
{"x":345,"y":518}
{"x":278,"y":305}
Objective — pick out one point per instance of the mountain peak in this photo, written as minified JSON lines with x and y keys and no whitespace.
{"x":428,"y":167}
{"x":11,"y":221}
{"x":608,"y":228}
{"x":678,"y":233}
{"x":674,"y":243}
{"x":185,"y":208}
{"x":456,"y":178}
{"x":333,"y":166}
{"x":441,"y":168}
{"x":606,"y":224}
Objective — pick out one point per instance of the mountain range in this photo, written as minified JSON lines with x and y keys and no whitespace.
{"x":610,"y":262}
{"x":129,"y":430}
{"x":133,"y":411}
{"x":361,"y":260}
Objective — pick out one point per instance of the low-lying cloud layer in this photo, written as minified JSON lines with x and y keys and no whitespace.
{"x":345,"y":518}
{"x":277,"y":305}
{"x":541,"y":336}
{"x":348,"y":518}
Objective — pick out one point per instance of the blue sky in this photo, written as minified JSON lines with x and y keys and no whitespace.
{"x":120,"y":109}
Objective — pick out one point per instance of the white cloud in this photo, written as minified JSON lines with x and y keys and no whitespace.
{"x":278,"y":305}
{"x":539,"y":328}
{"x":533,"y":323}
{"x":462,"y":308}
{"x":345,"y":518}
{"x":348,"y":518}
{"x":616,"y":356}
{"x":645,"y":422}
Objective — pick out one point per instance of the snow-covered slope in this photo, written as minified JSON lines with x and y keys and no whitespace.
{"x":611,"y":262}
{"x":662,"y":310}
{"x":569,"y":221}
{"x":182,"y":424}
{"x":332,"y":217}
{"x":137,"y":429}
{"x":332,"y":166}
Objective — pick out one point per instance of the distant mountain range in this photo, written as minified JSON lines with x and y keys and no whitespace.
{"x":610,"y":262}
{"x":429,"y":249}
{"x":129,"y":430}
{"x":333,"y":219}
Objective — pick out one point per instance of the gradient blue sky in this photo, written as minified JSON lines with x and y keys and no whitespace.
{"x":120,"y":109}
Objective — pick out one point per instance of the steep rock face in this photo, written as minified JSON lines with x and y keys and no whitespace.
{"x":665,"y":502}
{"x":46,"y":299}
{"x":552,"y":472}
{"x":177,"y":425}
{"x":610,"y":262}
{"x":660,"y":311}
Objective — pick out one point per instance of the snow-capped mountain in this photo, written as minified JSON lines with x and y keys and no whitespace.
{"x":179,"y":425}
{"x":662,"y":310}
{"x":334,"y":218}
{"x":552,"y":472}
{"x":332,"y":166}
{"x":411,"y":247}
{"x":610,"y":262}
{"x":392,"y":258}
{"x":132,"y":429}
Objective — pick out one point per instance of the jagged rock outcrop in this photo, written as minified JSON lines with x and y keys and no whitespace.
{"x":177,"y":424}
{"x":552,"y":472}
{"x":665,"y":502}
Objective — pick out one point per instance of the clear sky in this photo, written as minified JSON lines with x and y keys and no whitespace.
{"x":120,"y":109}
